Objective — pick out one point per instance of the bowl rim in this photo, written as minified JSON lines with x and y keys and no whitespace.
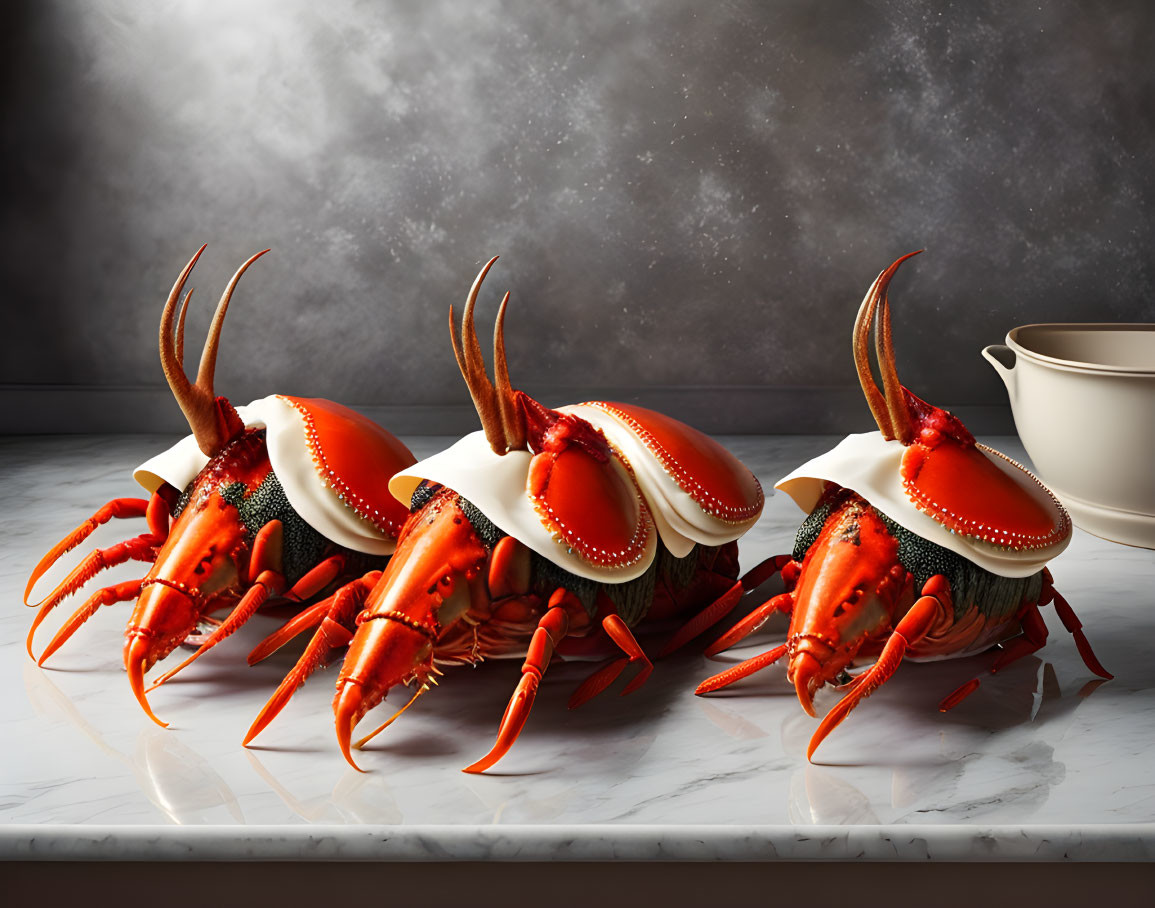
{"x":1078,"y":365}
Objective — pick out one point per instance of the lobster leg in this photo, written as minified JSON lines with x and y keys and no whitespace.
{"x":141,"y":548}
{"x":617,"y":630}
{"x":726,"y":603}
{"x":316,"y":578}
{"x":120,"y":508}
{"x":120,"y":592}
{"x":298,"y":624}
{"x":509,"y":569}
{"x":336,"y":630}
{"x":157,"y":513}
{"x":265,"y":563}
{"x":913,"y":626}
{"x":551,"y":629}
{"x":1073,"y":625}
{"x":782,"y":603}
{"x":1033,"y":638}
{"x":741,"y":670}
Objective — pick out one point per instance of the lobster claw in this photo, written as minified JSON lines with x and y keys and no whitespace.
{"x":806,"y":673}
{"x":383,"y":653}
{"x":137,"y":656}
{"x":427,"y":587}
{"x":967,"y":487}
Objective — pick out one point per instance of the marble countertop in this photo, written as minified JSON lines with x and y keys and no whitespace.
{"x":1041,"y":763}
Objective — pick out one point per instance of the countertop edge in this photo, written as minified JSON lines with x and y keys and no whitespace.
{"x":1085,"y":843}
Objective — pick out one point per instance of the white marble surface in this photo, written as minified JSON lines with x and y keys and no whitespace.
{"x":1041,"y":763}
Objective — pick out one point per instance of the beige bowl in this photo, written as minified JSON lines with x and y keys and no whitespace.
{"x":1083,"y":397}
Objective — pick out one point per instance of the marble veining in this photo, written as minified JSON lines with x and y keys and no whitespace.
{"x":1042,"y":763}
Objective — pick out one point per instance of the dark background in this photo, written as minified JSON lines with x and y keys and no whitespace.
{"x":689,"y":198}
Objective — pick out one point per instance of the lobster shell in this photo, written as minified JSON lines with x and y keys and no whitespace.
{"x":679,"y":484}
{"x":872,"y":466}
{"x":332,"y":462}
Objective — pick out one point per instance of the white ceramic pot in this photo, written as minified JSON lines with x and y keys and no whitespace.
{"x":1083,"y":397}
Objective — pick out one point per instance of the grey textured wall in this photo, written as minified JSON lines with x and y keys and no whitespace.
{"x":690,"y":198}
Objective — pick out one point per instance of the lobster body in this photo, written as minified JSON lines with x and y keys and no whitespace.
{"x":920,"y":544}
{"x":279,"y":499}
{"x":511,"y":591}
{"x":549,"y":530}
{"x":859,"y":574}
{"x":460,"y":591}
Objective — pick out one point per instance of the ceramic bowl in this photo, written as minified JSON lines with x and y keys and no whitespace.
{"x":1083,"y":398}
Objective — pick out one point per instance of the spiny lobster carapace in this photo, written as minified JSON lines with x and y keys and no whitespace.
{"x":546,"y":526}
{"x":277,"y":500}
{"x":920,"y":544}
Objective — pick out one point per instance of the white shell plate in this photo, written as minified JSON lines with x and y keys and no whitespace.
{"x":308,"y":493}
{"x":871,"y":466}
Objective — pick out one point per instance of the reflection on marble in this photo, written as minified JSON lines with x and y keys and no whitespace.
{"x":1038,"y":764}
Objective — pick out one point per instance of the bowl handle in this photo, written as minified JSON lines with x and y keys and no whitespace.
{"x":1004,"y":359}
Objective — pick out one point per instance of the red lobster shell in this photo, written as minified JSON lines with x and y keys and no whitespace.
{"x":920,"y":544}
{"x":546,"y":527}
{"x":276,"y":500}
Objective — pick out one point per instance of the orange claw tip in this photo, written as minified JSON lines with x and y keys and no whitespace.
{"x":345,"y":710}
{"x":41,"y":569}
{"x":343,"y":741}
{"x":272,"y":708}
{"x":832,"y":721}
{"x":512,"y":722}
{"x":504,"y":742}
{"x":807,"y":673}
{"x":28,"y":589}
{"x":255,"y":729}
{"x":136,"y":680}
{"x":259,"y":724}
{"x":1089,"y":659}
{"x":483,"y":764}
{"x":54,"y":644}
{"x":709,"y":685}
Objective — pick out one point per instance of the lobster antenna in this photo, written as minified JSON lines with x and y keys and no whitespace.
{"x":895,"y":395}
{"x":393,"y":718}
{"x":209,"y":355}
{"x":860,"y":343}
{"x":180,"y":328}
{"x":467,"y":351}
{"x":197,"y":401}
{"x":197,"y":410}
{"x":512,"y":419}
{"x":884,"y":351}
